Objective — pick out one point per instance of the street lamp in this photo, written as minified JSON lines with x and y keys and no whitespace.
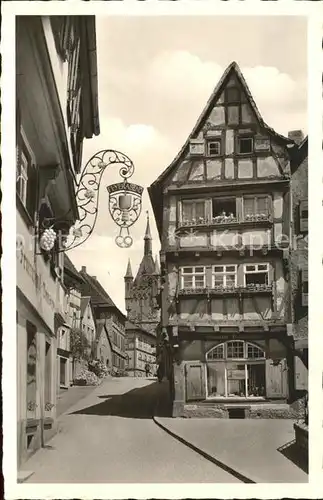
{"x":125,"y":202}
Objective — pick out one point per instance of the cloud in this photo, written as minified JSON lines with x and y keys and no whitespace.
{"x":184,"y":82}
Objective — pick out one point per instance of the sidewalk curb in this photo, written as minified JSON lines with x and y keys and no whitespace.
{"x":204,"y":454}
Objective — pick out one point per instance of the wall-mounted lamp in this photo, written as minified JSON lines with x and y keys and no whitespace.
{"x":125,"y":202}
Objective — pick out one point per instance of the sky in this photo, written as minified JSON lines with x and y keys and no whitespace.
{"x":155,"y":75}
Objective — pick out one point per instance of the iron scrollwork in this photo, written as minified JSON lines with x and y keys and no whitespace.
{"x":124,"y":200}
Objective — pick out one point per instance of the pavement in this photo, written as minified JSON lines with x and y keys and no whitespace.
{"x":67,"y":398}
{"x":110,"y":436}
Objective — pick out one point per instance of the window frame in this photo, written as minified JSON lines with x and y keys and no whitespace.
{"x":256,"y":271}
{"x":193,"y":274}
{"x":193,"y":202}
{"x":255,"y":199}
{"x":243,"y":138}
{"x":225,"y":198}
{"x":245,"y":361}
{"x":224,"y":273}
{"x":212,"y":142}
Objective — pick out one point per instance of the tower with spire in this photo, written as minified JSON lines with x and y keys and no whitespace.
{"x":141,"y":291}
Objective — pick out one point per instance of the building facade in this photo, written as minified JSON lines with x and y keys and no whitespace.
{"x":110,"y":324}
{"x":141,"y":351}
{"x":49,"y":134}
{"x":299,"y":257}
{"x":222,"y":209}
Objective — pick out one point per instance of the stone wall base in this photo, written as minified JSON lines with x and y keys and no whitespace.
{"x":265,"y":410}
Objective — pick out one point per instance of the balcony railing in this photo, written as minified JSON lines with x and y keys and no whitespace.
{"x":228,"y":290}
{"x":226,"y":220}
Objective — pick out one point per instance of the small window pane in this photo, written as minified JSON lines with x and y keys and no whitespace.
{"x":248,"y":206}
{"x":262,"y":205}
{"x":200,"y":212}
{"x":230,"y":268}
{"x":218,"y":269}
{"x":245,"y":145}
{"x":199,"y":269}
{"x":214,"y":148}
{"x":257,"y":278}
{"x":199,"y":281}
{"x":187,"y":211}
{"x":230,"y":279}
{"x":250,"y":268}
{"x":187,"y":269}
{"x":188,"y":281}
{"x":235,"y":349}
{"x":254,"y":352}
{"x":219,"y":279}
{"x":262,"y":267}
{"x":216,"y":353}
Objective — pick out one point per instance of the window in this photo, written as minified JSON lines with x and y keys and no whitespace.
{"x":22,"y":178}
{"x":224,"y":276}
{"x":214,"y":148}
{"x":256,"y":274}
{"x":26,"y":175}
{"x":245,"y":145}
{"x":236,"y":369}
{"x":193,"y":211}
{"x":193,"y":277}
{"x":256,"y":207}
{"x":224,"y":210}
{"x":217,"y":352}
{"x":303,"y":216}
{"x":235,"y":350}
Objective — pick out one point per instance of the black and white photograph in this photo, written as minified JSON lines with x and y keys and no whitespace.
{"x":162,"y":251}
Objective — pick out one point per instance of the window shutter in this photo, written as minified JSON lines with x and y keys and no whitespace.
{"x":304,"y":275}
{"x":195,"y":382}
{"x":197,"y":147}
{"x":303,"y":216}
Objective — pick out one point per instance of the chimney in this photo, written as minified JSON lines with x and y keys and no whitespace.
{"x":94,"y":277}
{"x":83,"y":269}
{"x":296,"y":135}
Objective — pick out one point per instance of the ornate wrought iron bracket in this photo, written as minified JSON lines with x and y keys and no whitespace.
{"x":125,"y":202}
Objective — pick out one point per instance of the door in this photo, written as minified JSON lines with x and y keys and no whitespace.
{"x":276,"y":379}
{"x":195,"y":381}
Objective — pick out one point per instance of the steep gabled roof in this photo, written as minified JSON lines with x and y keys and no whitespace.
{"x":71,"y":270}
{"x":232,"y":68}
{"x":84,"y":304}
{"x":99,"y":296}
{"x":155,"y":190}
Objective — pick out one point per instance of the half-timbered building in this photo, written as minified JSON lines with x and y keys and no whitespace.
{"x":222,"y":209}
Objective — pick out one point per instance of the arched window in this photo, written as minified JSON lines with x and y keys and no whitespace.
{"x":236,"y":369}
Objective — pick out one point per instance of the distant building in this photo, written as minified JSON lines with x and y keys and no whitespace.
{"x":56,"y":107}
{"x":222,"y":210}
{"x":141,"y":351}
{"x":110,"y":323}
{"x":143,"y":311}
{"x":67,"y":366}
{"x":299,"y":256}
